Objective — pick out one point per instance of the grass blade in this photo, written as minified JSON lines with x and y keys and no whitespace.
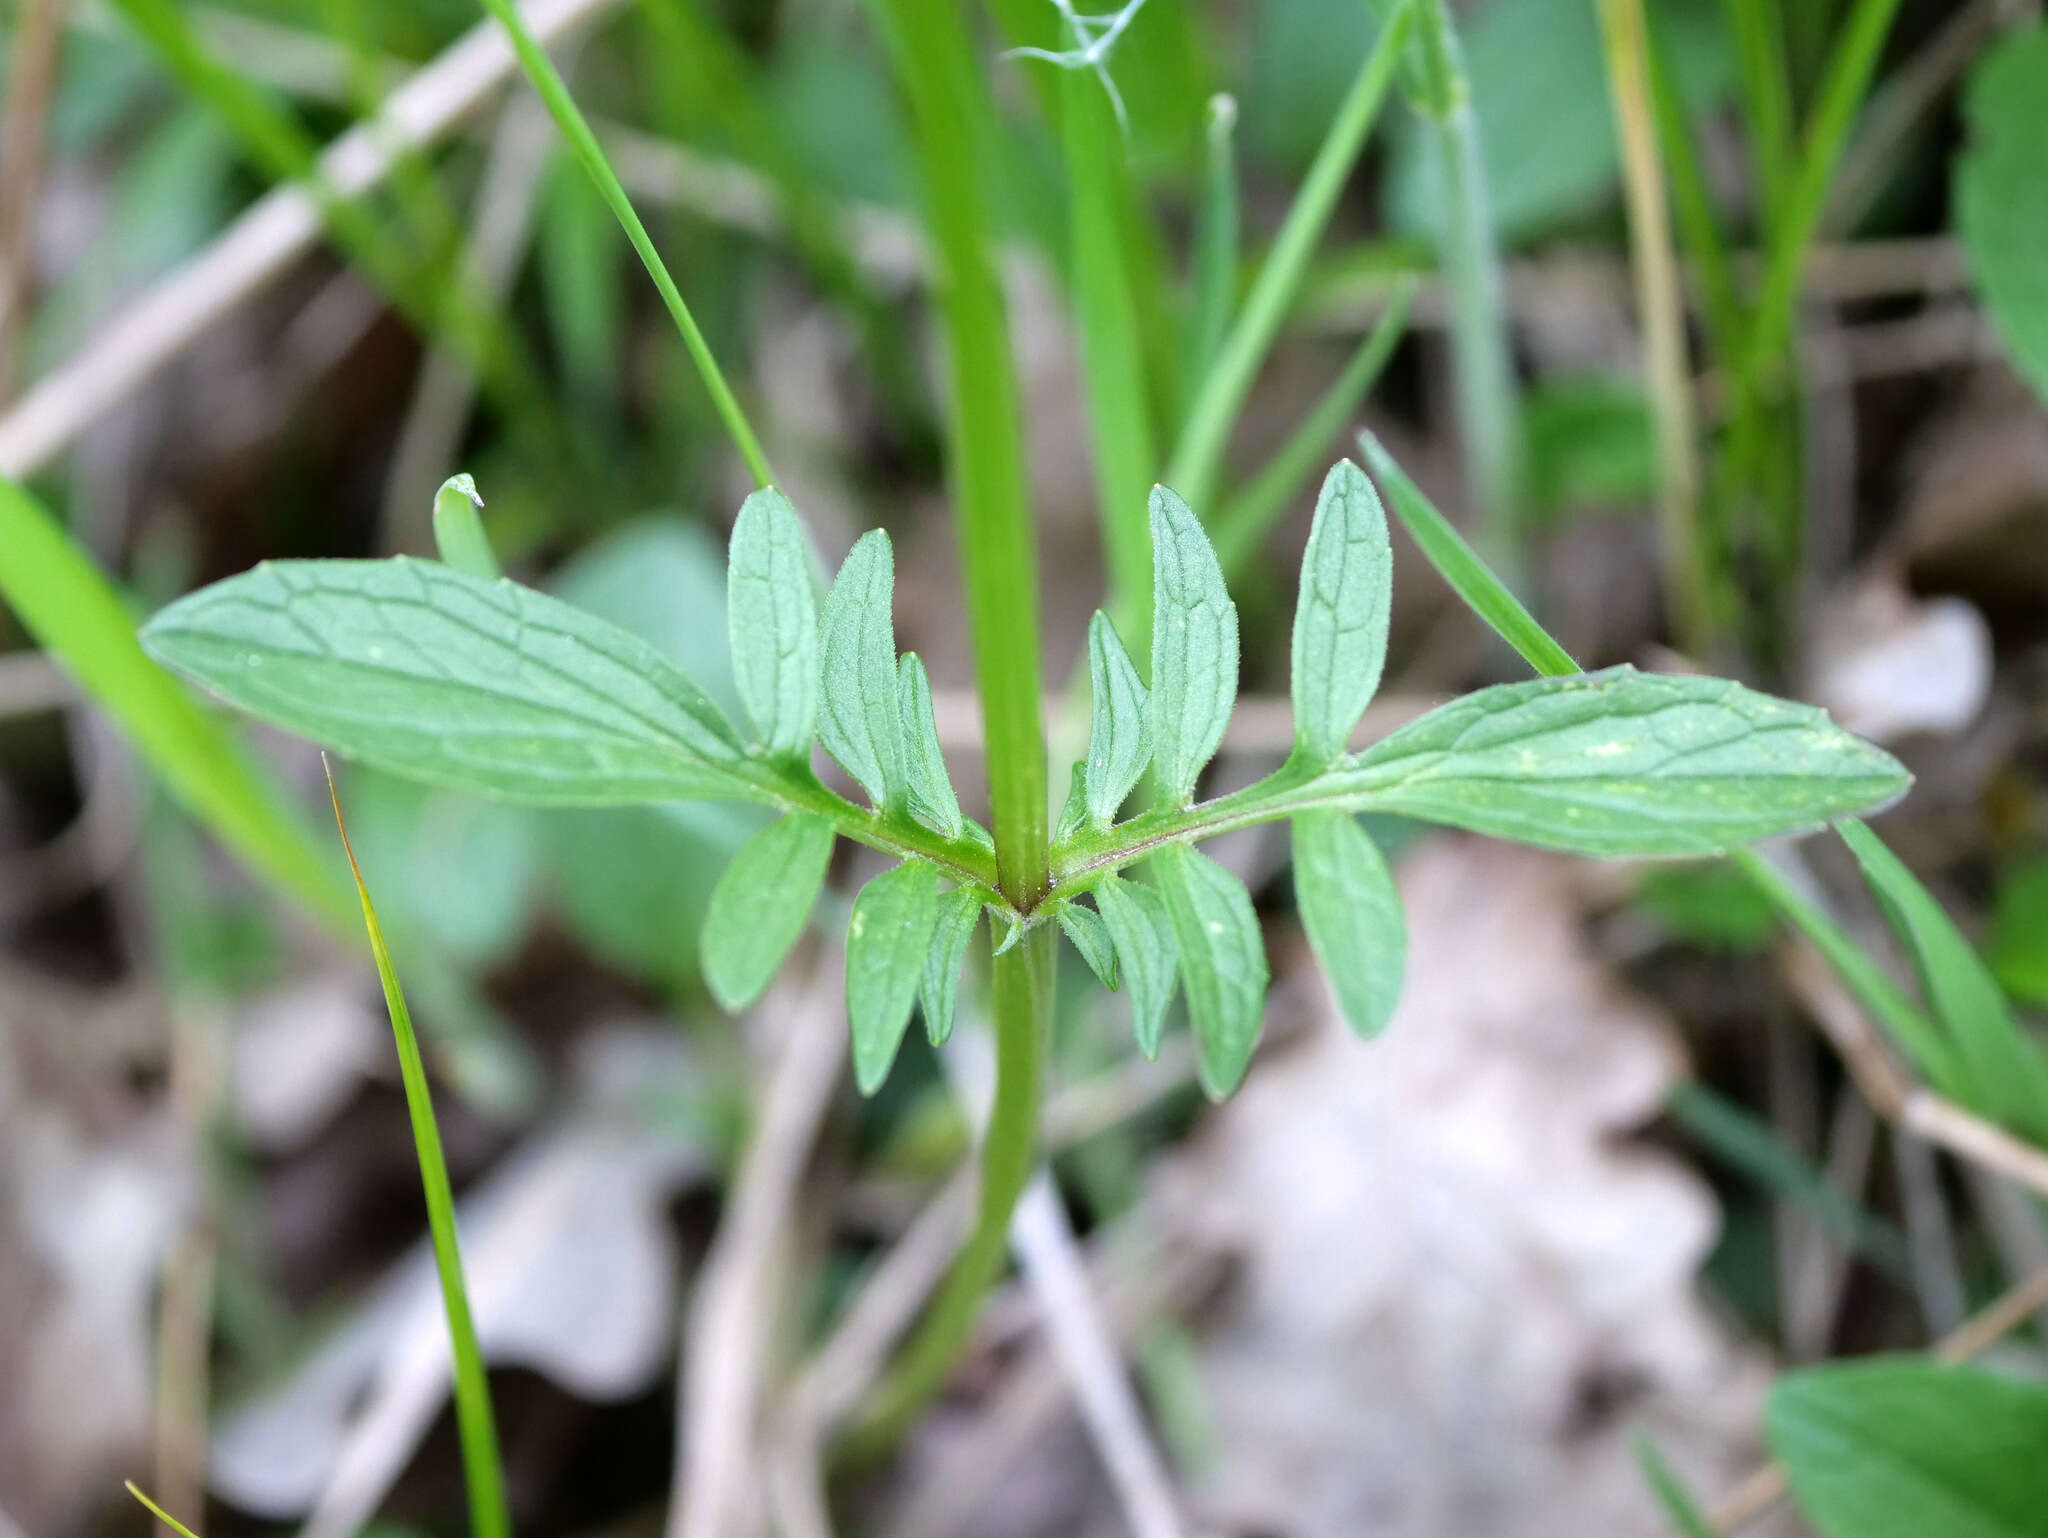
{"x":1460,"y":566}
{"x":72,"y":611}
{"x":1257,"y":506}
{"x":158,"y":1512}
{"x":483,"y":1471}
{"x":1679,"y":1508}
{"x":1217,"y":239}
{"x":554,"y":93}
{"x":1199,"y":453}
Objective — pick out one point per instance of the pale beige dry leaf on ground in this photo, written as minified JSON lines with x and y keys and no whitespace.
{"x":1459,"y":1286}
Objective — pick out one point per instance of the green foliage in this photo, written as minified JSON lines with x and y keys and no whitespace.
{"x":2019,"y":933}
{"x":774,"y":623}
{"x":1353,"y":916}
{"x":1589,"y":445}
{"x":1084,"y":926}
{"x":459,"y":533}
{"x":1901,"y":1448}
{"x":2002,"y":199}
{"x":1120,"y":726}
{"x":2007,"y":1073}
{"x":1709,"y":905}
{"x":887,"y":941}
{"x":924,"y":762}
{"x":1148,"y":956}
{"x":958,"y":910}
{"x":760,"y":906}
{"x":861,"y":724}
{"x":1194,"y":648}
{"x":1222,"y":961}
{"x":1340,"y":623}
{"x":1621,"y":762}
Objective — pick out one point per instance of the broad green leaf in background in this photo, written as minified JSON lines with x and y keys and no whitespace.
{"x":1621,"y":762}
{"x":662,"y":579}
{"x":1084,"y":926}
{"x":461,"y":869}
{"x":1712,"y":905}
{"x":1538,"y":83}
{"x":1147,"y":953}
{"x":65,"y":604}
{"x":1194,"y":648}
{"x":2008,"y":1071}
{"x":760,"y":906}
{"x":2019,"y":933}
{"x":861,"y":721}
{"x":957,"y":909}
{"x":773,"y":617}
{"x":1589,"y":446}
{"x":2002,"y":197}
{"x":887,"y":942}
{"x":924,"y":761}
{"x":633,"y":883}
{"x":1120,"y":726}
{"x":1900,"y":1447}
{"x":415,"y":668}
{"x":1340,"y":621}
{"x":1352,"y":913}
{"x":1222,"y":962}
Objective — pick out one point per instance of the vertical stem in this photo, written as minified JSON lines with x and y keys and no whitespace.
{"x":1661,"y":315}
{"x":1217,"y":239}
{"x":1489,"y":410}
{"x":936,"y":65}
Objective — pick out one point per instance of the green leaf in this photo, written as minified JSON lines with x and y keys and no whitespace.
{"x":1119,"y":728}
{"x":773,"y":616}
{"x":1484,"y":593}
{"x":1340,"y":621}
{"x":458,"y":533}
{"x":662,"y":579}
{"x":957,"y":910}
{"x":1353,"y":916}
{"x":1084,"y":926}
{"x":416,"y":668}
{"x":2001,"y":199}
{"x":1899,"y":1447}
{"x":861,"y":724}
{"x":2007,"y":1071}
{"x":1074,"y":811}
{"x":887,"y":941}
{"x":1194,"y":648}
{"x":64,"y":603}
{"x":1621,"y":762}
{"x":1222,"y":961}
{"x":924,"y":762}
{"x":2019,"y":933}
{"x":760,"y":906}
{"x":1148,"y":957}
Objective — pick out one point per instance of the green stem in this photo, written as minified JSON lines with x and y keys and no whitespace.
{"x":1198,"y":457}
{"x":548,"y":84}
{"x":936,"y":64}
{"x":1217,"y":239}
{"x":1022,"y":999}
{"x":1767,"y":94}
{"x":1489,"y":411}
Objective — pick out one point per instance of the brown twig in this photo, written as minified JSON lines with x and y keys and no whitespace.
{"x":259,"y":246}
{"x":725,"y":1347}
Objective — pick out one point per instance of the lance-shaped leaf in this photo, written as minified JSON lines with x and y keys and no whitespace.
{"x":417,"y":668}
{"x":1222,"y":962}
{"x":1194,"y":648}
{"x":1621,"y":762}
{"x":1147,"y":953}
{"x":760,"y":905}
{"x":1091,"y":938}
{"x":1074,"y":810}
{"x":958,"y":909}
{"x":1353,"y":916}
{"x":1340,"y":620}
{"x":924,"y":763}
{"x":1119,"y":728}
{"x":887,"y":940}
{"x":773,"y":618}
{"x":860,"y":719}
{"x":1898,"y":1447}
